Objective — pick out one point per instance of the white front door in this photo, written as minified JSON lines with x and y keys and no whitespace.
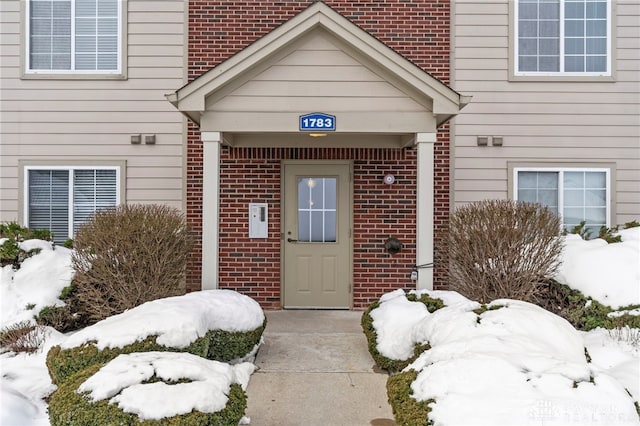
{"x":317,"y":241}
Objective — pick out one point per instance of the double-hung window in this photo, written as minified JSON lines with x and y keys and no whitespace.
{"x":74,"y":36}
{"x":576,"y":195}
{"x":562,"y":37}
{"x":62,"y":198}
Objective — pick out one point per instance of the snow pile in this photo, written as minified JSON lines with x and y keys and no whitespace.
{"x":177,"y":321}
{"x":37,"y":284}
{"x":512,"y":364}
{"x":608,"y":273}
{"x":16,"y":408}
{"x":122,"y":380}
{"x":25,"y":382}
{"x":396,"y":318}
{"x":517,"y":364}
{"x":617,"y":357}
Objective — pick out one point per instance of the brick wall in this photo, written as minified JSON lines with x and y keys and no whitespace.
{"x":418,"y":30}
{"x":380,"y":211}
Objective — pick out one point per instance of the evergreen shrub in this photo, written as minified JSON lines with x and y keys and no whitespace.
{"x":70,"y":408}
{"x":389,"y":364}
{"x":218,"y":345}
{"x":406,"y":409}
{"x":10,"y":251}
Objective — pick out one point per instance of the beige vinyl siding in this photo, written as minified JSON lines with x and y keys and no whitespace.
{"x":543,"y":122}
{"x":80,"y":120}
{"x":317,"y":74}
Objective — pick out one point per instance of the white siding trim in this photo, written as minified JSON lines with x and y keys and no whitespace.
{"x":424,"y":215}
{"x":121,"y":48}
{"x":210,"y":207}
{"x":515,"y":44}
{"x":70,"y":169}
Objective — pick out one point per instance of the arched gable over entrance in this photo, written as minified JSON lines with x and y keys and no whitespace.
{"x":317,"y":62}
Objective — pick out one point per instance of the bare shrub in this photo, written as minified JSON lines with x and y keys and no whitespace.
{"x":626,"y":334}
{"x":22,"y":337}
{"x":502,"y":249}
{"x":129,"y":255}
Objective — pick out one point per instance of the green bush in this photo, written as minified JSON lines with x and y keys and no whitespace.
{"x":216,"y":345}
{"x":406,"y":409}
{"x":64,"y":318}
{"x":70,"y":408}
{"x":15,"y":231}
{"x":586,"y":232}
{"x":10,"y":251}
{"x":129,"y":255}
{"x":432,"y":304}
{"x":582,"y":312}
{"x":389,"y":364}
{"x":632,"y":224}
{"x":11,"y":254}
{"x":229,"y":345}
{"x":61,"y":318}
{"x":583,"y":230}
{"x":607,"y":234}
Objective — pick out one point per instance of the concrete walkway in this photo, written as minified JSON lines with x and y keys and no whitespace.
{"x":315,"y":370}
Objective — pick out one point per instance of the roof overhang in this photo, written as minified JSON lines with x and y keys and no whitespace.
{"x":192,"y":98}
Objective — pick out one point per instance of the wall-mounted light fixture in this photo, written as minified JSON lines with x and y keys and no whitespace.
{"x":317,"y":135}
{"x":392,"y":245}
{"x":136,"y":139}
{"x":484,"y":140}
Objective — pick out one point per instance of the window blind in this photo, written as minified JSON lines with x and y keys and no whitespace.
{"x":62,"y":199}
{"x":92,"y":190}
{"x":562,"y":36}
{"x":49,"y":201}
{"x":74,"y":35}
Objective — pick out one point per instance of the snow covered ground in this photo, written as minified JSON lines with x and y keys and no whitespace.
{"x":513,"y":364}
{"x":608,"y":273}
{"x":517,"y":364}
{"x":514,"y":357}
{"x":177,"y":321}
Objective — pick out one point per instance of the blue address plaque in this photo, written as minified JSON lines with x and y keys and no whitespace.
{"x":317,"y":121}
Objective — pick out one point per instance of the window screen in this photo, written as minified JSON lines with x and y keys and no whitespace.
{"x":62,"y":199}
{"x":74,"y":35}
{"x":577,"y":195}
{"x":562,"y":36}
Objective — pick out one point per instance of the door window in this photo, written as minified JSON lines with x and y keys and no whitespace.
{"x":317,"y":209}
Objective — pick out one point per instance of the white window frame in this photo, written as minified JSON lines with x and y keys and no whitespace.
{"x":70,"y":169}
{"x":72,"y":71}
{"x":561,"y":73}
{"x":561,"y":171}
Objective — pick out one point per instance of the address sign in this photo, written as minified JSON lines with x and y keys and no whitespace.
{"x":318,"y":121}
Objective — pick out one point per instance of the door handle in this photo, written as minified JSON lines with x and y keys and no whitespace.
{"x":291,"y":240}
